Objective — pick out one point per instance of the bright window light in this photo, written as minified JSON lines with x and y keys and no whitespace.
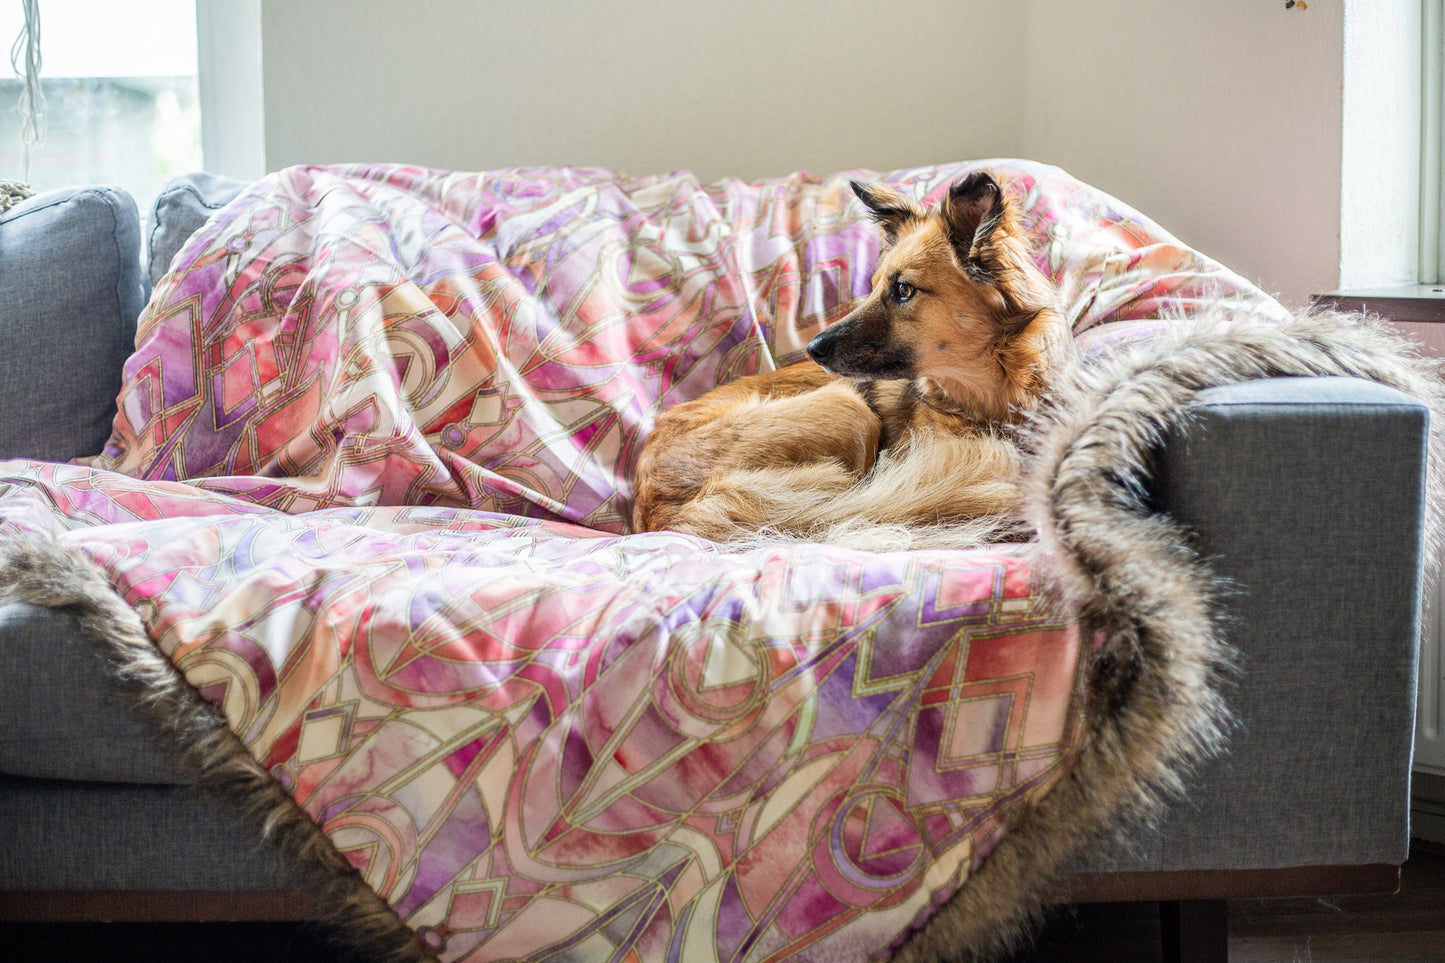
{"x":121,"y":104}
{"x":1432,"y":94}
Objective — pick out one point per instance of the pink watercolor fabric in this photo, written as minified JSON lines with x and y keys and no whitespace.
{"x":368,"y":489}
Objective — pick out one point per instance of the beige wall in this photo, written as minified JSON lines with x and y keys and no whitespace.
{"x":747,"y":87}
{"x":1220,"y":119}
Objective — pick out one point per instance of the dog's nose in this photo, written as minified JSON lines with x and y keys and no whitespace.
{"x":820,"y":349}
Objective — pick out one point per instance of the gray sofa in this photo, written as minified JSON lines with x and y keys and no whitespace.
{"x":1307,"y":495}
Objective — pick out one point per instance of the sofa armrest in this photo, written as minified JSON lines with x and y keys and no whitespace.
{"x":1307,"y":496}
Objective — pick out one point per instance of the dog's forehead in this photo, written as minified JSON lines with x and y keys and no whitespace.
{"x":922,"y":245}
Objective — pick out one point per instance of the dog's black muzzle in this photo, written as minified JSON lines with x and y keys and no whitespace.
{"x":841,"y":350}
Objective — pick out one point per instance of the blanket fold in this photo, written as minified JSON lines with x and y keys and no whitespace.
{"x":358,"y":542}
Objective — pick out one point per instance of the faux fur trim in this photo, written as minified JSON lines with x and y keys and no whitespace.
{"x":1154,"y":704}
{"x":40,"y":571}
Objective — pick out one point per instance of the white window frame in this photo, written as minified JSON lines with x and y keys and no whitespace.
{"x":1432,"y":100}
{"x":228,"y":65}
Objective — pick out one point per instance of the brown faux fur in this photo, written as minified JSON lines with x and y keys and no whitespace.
{"x":1154,"y":707}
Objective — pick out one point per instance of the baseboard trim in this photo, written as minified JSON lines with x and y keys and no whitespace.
{"x":1428,"y":823}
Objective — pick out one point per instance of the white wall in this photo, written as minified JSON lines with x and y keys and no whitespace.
{"x":1220,"y":119}
{"x":748,"y":87}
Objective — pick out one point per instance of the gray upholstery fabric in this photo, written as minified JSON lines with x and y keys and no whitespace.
{"x":1308,"y":495}
{"x":77,"y":836}
{"x":61,"y":712}
{"x":182,"y":206}
{"x":70,"y":292}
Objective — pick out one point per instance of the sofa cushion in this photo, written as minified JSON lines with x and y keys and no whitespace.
{"x":182,"y":206}
{"x":70,"y":290}
{"x":46,"y":662}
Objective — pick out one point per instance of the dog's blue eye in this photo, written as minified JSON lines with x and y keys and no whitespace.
{"x":902,"y":291}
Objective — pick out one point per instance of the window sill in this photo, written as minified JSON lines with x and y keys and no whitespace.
{"x":1404,"y":302}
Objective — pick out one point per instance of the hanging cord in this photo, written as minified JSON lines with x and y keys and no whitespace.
{"x":25,"y":61}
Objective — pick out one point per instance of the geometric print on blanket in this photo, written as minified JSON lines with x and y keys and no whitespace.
{"x":536,"y":742}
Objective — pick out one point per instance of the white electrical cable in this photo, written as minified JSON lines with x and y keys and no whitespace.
{"x":25,"y":61}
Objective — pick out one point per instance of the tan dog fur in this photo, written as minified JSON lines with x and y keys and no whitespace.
{"x":903,"y":417}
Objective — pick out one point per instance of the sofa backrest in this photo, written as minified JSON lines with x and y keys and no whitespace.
{"x":182,"y":206}
{"x":71,"y":287}
{"x":73,"y":280}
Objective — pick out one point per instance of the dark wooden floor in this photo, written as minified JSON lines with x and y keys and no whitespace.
{"x":1405,"y":928}
{"x":165,"y":943}
{"x":1408,"y":927}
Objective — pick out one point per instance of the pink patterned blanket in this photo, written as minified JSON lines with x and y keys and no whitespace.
{"x":367,"y":490}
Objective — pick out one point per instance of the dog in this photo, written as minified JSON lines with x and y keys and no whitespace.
{"x":904,"y":414}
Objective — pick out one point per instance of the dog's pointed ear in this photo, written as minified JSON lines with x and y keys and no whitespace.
{"x":973,"y":209}
{"x":890,"y":208}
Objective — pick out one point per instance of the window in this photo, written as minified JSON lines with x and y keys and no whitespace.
{"x":121,"y":100}
{"x":1432,"y":87}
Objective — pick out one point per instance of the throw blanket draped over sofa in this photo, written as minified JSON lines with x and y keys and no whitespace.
{"x":366,"y":493}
